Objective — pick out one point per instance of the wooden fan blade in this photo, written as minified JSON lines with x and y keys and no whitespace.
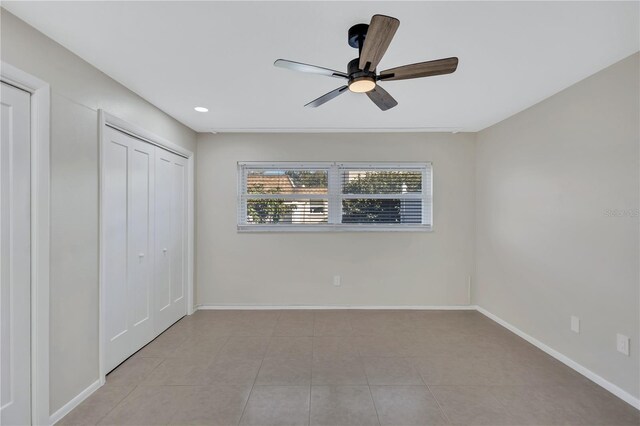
{"x":313,"y":69}
{"x":379,"y":35}
{"x":422,"y":69}
{"x":382,"y":98}
{"x":327,"y":97}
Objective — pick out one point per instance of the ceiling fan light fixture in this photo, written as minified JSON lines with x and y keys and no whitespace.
{"x":362,"y":85}
{"x":371,"y":40}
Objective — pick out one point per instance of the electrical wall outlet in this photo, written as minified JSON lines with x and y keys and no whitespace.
{"x":575,"y":324}
{"x":622,"y":344}
{"x":337,"y":281}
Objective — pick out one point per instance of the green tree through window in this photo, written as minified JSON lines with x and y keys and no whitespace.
{"x":267,"y":210}
{"x":306,"y":178}
{"x":377,"y":182}
{"x":372,"y":210}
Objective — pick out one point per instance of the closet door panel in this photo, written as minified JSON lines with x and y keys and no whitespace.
{"x":170,"y":238}
{"x":164,"y":249}
{"x":141,"y":283}
{"x":178,"y":269}
{"x":115,"y":223}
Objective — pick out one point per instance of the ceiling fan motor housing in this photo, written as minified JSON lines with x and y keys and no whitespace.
{"x":356,"y":74}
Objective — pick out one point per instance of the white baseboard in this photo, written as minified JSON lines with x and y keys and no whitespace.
{"x":329,"y":307}
{"x":66,"y":409}
{"x":617,"y":391}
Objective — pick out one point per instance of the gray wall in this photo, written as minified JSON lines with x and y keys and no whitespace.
{"x":377,"y":268}
{"x":548,"y":246}
{"x":78,"y":90}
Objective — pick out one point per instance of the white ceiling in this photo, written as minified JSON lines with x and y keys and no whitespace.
{"x":179,"y":55}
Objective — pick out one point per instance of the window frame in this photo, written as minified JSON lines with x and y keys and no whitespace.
{"x":335,"y":196}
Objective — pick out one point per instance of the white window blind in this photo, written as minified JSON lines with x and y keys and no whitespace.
{"x":334,"y":196}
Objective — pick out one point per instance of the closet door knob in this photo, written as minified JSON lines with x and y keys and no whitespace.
{"x":140,"y":254}
{"x":164,"y":250}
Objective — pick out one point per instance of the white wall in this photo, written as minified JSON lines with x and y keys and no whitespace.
{"x":405,"y":268}
{"x":78,"y":90}
{"x":547,"y":247}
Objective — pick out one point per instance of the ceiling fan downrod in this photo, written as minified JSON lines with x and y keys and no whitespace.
{"x":357,"y":34}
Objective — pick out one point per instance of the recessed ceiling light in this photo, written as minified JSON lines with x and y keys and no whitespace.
{"x":201,"y":109}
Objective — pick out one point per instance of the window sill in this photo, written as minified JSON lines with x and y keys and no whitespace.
{"x":334,"y":228}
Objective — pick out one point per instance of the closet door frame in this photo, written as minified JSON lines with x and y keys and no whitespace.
{"x":40,"y":234}
{"x":108,"y":120}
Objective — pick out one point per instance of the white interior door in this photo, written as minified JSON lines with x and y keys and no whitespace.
{"x":127,"y":215}
{"x":164,"y":188}
{"x":115,"y":162}
{"x":15,"y":251}
{"x":144,"y":243}
{"x":171,"y":226}
{"x":141,"y":235}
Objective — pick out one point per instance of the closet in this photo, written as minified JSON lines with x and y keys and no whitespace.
{"x":144,"y":228}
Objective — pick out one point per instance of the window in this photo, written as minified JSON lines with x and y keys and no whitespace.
{"x":317,"y":206}
{"x":334,"y":196}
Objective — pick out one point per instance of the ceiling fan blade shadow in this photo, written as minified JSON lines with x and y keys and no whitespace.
{"x":312,"y":69}
{"x":421,"y":69}
{"x":327,"y":97}
{"x":382,"y":98}
{"x":379,"y":35}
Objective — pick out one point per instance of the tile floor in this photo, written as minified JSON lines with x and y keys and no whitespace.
{"x":342,"y":367}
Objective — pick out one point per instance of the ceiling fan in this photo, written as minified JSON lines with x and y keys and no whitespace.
{"x":372,"y":42}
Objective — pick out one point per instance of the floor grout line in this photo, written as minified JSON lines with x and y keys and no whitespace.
{"x":136,"y":386}
{"x":374,"y":405}
{"x":254,"y":383}
{"x":112,"y":408}
{"x":442,"y":411}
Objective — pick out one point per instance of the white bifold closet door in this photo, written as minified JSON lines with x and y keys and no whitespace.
{"x":170,"y":241}
{"x":143,"y":216}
